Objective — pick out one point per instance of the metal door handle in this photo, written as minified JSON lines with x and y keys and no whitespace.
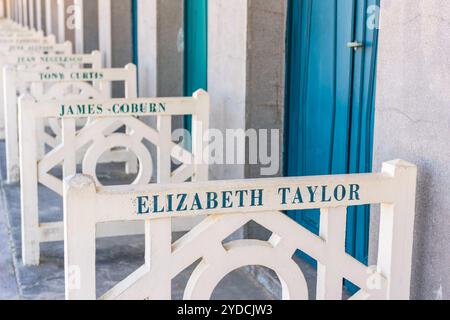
{"x":355,"y":45}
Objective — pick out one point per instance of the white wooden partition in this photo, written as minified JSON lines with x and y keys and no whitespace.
{"x":17,"y":39}
{"x":44,"y":81}
{"x":230,"y":205}
{"x":18,"y":31}
{"x":60,"y":48}
{"x":33,"y":61}
{"x":100,"y":135}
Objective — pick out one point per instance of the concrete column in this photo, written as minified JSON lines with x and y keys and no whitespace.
{"x":17,"y":6}
{"x":86,"y":31}
{"x":13,"y":6}
{"x":61,"y":18}
{"x":51,"y":17}
{"x":25,"y":13}
{"x":115,"y":35}
{"x":160,"y":24}
{"x":245,"y":69}
{"x":104,"y":29}
{"x":412,"y":123}
{"x":170,"y":48}
{"x":121,"y":28}
{"x":31,"y":17}
{"x":227,"y":72}
{"x":148,"y":48}
{"x":115,"y":19}
{"x":15,"y":11}
{"x":266,"y":72}
{"x":39,"y":15}
{"x":2,"y":9}
{"x":8,"y":9}
{"x":66,"y":20}
{"x":48,"y":17}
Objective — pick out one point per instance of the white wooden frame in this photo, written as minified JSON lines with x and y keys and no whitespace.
{"x":60,"y":48}
{"x":47,"y":90}
{"x":19,"y":31}
{"x":17,"y":39}
{"x":86,"y":205}
{"x":40,"y":62}
{"x":100,"y":136}
{"x":15,"y":28}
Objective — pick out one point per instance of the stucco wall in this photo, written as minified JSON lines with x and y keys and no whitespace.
{"x":413,"y":123}
{"x":90,"y":24}
{"x":121,"y":33}
{"x":54,"y":19}
{"x":265,"y":78}
{"x":227,"y":73}
{"x":160,"y":50}
{"x":170,"y":48}
{"x":246,"y":52}
{"x":265,"y":71}
{"x":121,"y":38}
{"x":69,"y":31}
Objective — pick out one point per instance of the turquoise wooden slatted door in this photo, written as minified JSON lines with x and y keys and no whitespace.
{"x":135,"y":30}
{"x":195,"y":48}
{"x":330,"y":100}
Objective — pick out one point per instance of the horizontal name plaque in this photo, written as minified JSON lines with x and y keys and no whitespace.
{"x":50,"y":59}
{"x":93,"y":109}
{"x":268,"y":198}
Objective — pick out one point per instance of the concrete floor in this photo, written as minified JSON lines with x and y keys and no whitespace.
{"x":116,"y":257}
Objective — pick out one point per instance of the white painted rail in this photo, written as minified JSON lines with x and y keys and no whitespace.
{"x":40,"y":62}
{"x":229,"y":205}
{"x":100,"y":135}
{"x":59,"y":48}
{"x":18,"y":39}
{"x":56,"y":84}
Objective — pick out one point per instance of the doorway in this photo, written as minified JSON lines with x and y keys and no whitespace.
{"x":330,"y":89}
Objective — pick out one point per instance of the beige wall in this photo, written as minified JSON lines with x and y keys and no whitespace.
{"x":90,"y":23}
{"x":413,"y":123}
{"x":170,"y":54}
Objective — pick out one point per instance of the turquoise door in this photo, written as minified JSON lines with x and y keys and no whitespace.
{"x":195,"y":48}
{"x":330,"y":99}
{"x":134,"y":30}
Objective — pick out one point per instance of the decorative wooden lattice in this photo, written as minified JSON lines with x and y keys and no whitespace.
{"x":98,"y":136}
{"x":87,"y":205}
{"x":60,"y":84}
{"x":40,"y":62}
